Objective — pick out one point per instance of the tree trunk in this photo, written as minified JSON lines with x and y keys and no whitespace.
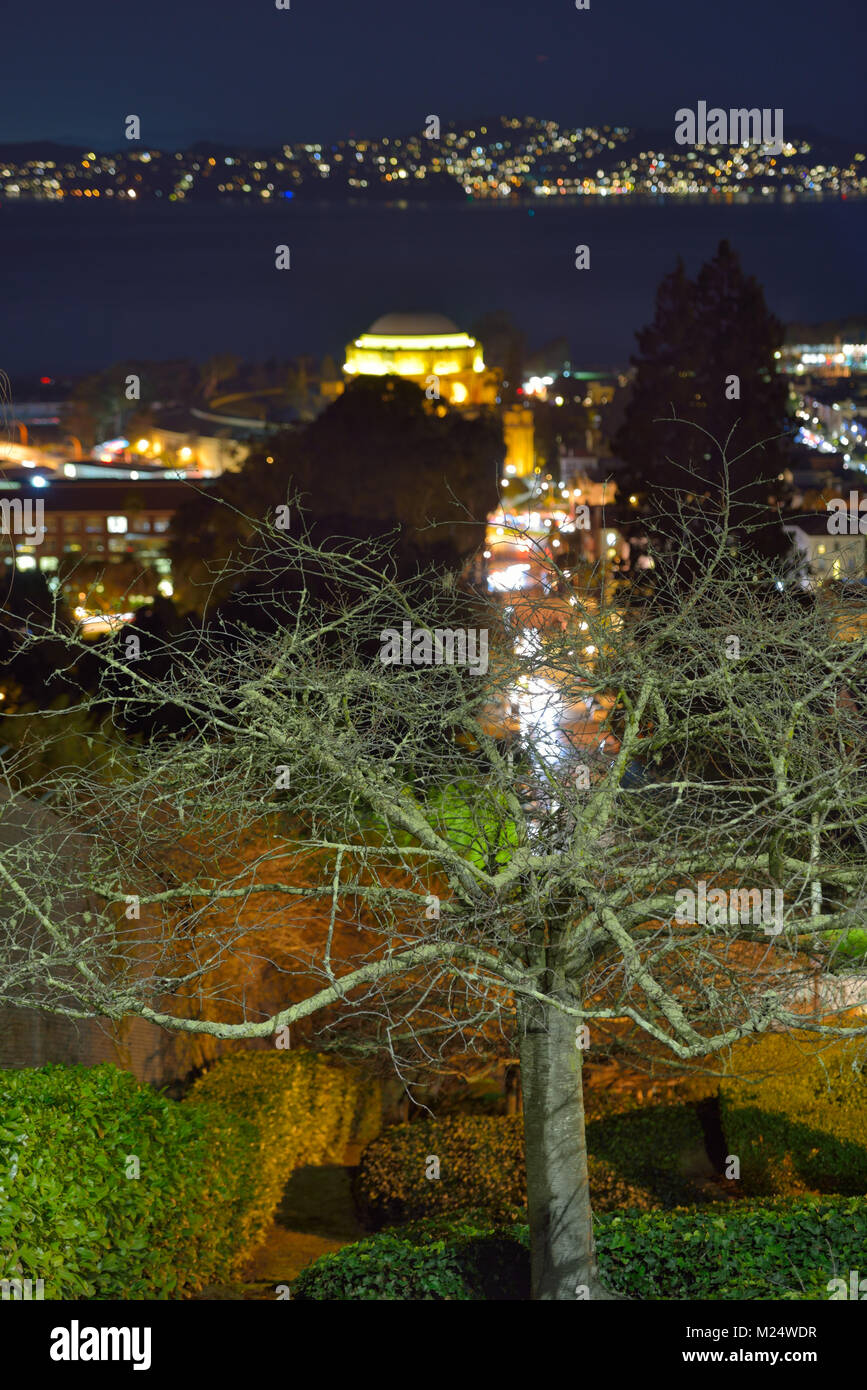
{"x":562,"y":1252}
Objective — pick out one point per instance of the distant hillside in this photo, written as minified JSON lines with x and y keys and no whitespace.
{"x":829,"y":149}
{"x":40,"y":149}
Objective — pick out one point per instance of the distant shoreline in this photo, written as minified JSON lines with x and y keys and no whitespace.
{"x":740,"y":199}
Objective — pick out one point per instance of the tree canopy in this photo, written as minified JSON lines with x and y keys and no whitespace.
{"x":707,"y":359}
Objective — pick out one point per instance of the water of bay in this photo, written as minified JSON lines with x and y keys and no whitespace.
{"x":90,"y":284}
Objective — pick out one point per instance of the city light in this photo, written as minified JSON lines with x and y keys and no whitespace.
{"x":512,"y":577}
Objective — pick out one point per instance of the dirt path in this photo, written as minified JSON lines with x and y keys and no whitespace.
{"x":316,"y":1215}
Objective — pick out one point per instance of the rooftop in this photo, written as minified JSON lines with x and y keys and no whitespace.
{"x":413,"y":326}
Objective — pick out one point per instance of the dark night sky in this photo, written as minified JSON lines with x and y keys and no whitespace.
{"x":243,"y":70}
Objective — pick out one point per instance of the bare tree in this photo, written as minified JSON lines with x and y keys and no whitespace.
{"x":638,"y":821}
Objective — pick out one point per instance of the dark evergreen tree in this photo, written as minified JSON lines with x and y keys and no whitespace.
{"x":707,"y":360}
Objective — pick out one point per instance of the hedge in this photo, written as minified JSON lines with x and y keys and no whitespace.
{"x":211,"y":1169}
{"x":634,"y":1160}
{"x":68,"y":1213}
{"x":647,"y":1147}
{"x":756,"y":1251}
{"x":460,"y":1258}
{"x":797,"y":1117}
{"x":306,"y":1108}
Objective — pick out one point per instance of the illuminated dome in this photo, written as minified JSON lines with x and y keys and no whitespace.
{"x":413,"y":326}
{"x":428,"y":349}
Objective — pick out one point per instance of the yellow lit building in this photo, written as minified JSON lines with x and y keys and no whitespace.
{"x":448,"y":365}
{"x":429,"y":350}
{"x":519,"y":436}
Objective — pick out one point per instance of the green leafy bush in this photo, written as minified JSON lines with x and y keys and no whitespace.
{"x":787,"y":1248}
{"x":634,"y":1161}
{"x":211,"y":1169}
{"x":306,"y":1109}
{"x":748,"y":1250}
{"x":795,"y":1116}
{"x":461,"y":1258}
{"x":648,"y":1147}
{"x":481,"y":1162}
{"x":71,"y":1216}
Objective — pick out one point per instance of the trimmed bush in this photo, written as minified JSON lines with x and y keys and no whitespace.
{"x":306,"y":1109}
{"x":69,"y":1214}
{"x":648,"y":1147}
{"x":441,"y":1259}
{"x":784,"y":1249}
{"x":797,"y":1118}
{"x":211,"y":1169}
{"x":481,"y":1162}
{"x":634,"y":1161}
{"x":778,"y":1250}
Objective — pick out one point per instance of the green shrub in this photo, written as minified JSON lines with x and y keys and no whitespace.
{"x":787,"y":1248}
{"x":797,"y":1117}
{"x":72,"y":1217}
{"x":634,"y":1161}
{"x":438,"y":1259}
{"x":481,"y":1161}
{"x":212,"y":1169}
{"x":751,"y":1250}
{"x":647,"y":1148}
{"x":306,"y":1109}
{"x":611,"y":1190}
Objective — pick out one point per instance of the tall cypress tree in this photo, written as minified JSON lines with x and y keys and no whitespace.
{"x":708,"y":358}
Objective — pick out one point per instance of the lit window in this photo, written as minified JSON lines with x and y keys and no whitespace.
{"x":117,"y":525}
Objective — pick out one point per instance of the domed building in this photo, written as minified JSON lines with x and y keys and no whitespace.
{"x":421,"y":347}
{"x":449,"y":364}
